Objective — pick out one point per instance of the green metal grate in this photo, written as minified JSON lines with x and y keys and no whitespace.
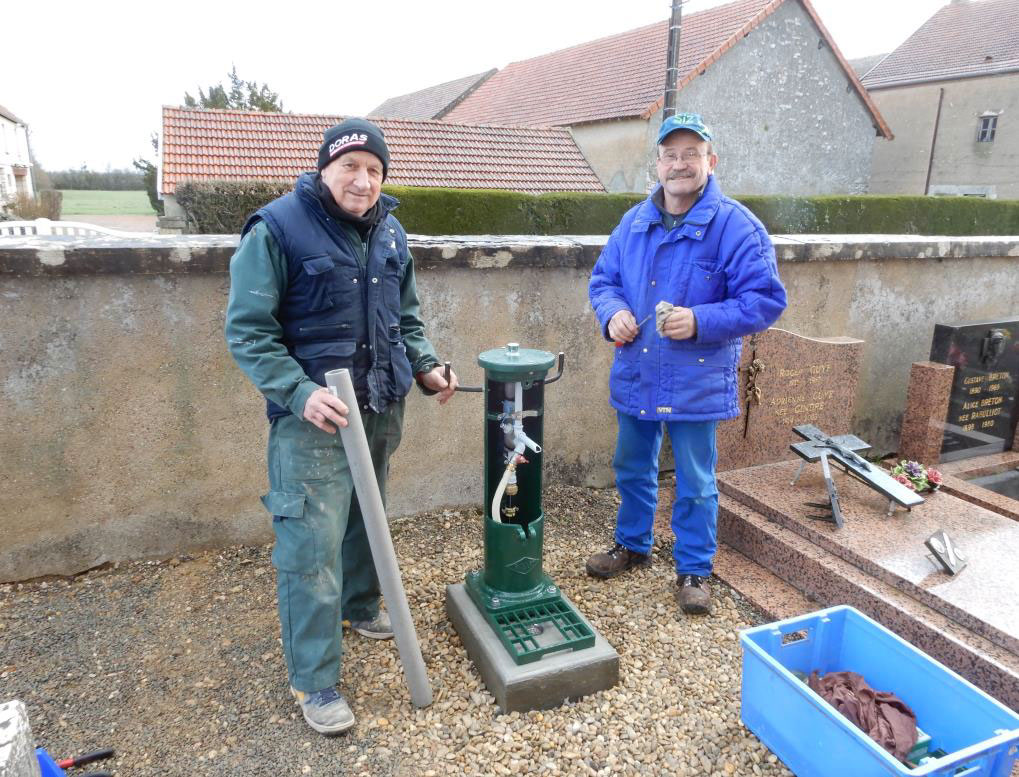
{"x":529,"y":632}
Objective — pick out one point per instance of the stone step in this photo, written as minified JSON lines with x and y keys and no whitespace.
{"x":891,"y":547}
{"x":767,"y":592}
{"x":826,"y":580}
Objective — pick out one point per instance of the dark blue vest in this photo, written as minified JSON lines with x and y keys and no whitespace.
{"x":336,"y":314}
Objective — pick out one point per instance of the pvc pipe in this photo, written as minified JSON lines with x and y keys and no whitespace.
{"x":355,"y":444}
{"x":497,"y":498}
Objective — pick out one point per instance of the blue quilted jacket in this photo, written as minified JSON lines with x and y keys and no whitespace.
{"x":720,"y":263}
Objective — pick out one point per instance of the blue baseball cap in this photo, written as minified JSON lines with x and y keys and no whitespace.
{"x":684,"y":121}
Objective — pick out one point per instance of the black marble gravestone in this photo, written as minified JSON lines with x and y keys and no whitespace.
{"x":983,"y":410}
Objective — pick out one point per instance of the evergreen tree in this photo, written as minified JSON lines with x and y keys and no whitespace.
{"x":149,"y":174}
{"x":242,"y":96}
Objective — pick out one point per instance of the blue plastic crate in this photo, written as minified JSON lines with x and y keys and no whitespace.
{"x":980,"y":735}
{"x":47,"y":766}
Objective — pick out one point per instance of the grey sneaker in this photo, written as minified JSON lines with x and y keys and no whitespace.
{"x":378,"y":627}
{"x":326,"y":711}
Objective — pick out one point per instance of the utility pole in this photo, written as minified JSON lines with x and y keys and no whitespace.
{"x":934,"y":141}
{"x":672,"y":59}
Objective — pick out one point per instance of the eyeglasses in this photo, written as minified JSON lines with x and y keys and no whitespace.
{"x":688,"y":155}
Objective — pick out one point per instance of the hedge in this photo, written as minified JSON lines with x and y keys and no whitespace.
{"x":885,"y":215}
{"x":221,"y":207}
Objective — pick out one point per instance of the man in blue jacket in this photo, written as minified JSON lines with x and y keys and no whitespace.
{"x":323,"y":279}
{"x":688,"y":246}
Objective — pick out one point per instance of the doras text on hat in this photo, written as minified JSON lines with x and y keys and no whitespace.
{"x":353,"y":135}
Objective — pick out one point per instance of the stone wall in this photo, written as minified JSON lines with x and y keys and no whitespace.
{"x":786,"y":120}
{"x":128,"y":431}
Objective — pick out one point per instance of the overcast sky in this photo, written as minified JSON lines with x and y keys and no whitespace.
{"x":89,"y":77}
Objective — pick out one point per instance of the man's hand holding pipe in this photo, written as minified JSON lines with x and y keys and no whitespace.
{"x":325,"y":411}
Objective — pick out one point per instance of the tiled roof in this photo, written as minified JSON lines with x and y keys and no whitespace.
{"x":201,"y":144}
{"x":10,"y":116}
{"x":623,"y":75}
{"x":861,"y":65}
{"x":962,"y":40}
{"x":433,"y":102}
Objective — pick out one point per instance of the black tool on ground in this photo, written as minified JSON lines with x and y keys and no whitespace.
{"x":835,"y":514}
{"x":96,"y":774}
{"x":79,"y":760}
{"x":842,"y":451}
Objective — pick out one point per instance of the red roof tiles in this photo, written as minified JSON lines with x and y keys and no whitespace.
{"x":433,"y":102}
{"x":614,"y":77}
{"x":623,"y":75}
{"x":962,"y":40}
{"x":201,"y":144}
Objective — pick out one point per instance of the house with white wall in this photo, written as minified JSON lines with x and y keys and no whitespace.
{"x":15,"y":164}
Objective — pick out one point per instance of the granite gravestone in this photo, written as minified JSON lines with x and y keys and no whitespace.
{"x":787,"y":380}
{"x":982,"y":406}
{"x":796,"y":380}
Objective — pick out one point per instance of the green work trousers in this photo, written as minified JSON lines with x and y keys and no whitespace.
{"x":324,"y":567}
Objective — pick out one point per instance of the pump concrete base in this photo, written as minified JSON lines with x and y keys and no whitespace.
{"x":539,"y":685}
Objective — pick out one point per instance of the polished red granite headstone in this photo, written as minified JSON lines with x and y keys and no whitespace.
{"x":801,"y":380}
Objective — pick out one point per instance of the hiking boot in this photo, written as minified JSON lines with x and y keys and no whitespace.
{"x":616,"y":561}
{"x":694,"y":594}
{"x":326,"y":711}
{"x":378,"y":627}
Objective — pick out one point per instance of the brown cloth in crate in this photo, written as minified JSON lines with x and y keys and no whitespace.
{"x":883,"y":716}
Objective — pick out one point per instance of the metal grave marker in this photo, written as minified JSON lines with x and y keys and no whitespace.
{"x":951,"y":559}
{"x":818,"y":446}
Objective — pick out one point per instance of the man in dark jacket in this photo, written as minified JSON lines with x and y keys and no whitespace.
{"x":698,"y":270}
{"x":323,"y":280}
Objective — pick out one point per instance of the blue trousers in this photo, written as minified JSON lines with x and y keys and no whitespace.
{"x":695,"y":511}
{"x":324,"y":566}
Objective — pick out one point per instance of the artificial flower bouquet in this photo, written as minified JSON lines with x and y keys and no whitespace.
{"x":916,"y":477}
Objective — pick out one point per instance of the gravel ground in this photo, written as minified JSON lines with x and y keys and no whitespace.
{"x":177,"y":664}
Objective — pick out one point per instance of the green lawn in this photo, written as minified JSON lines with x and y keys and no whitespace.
{"x":100,"y":203}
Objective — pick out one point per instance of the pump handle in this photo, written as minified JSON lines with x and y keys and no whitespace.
{"x":559,"y":374}
{"x":470,"y":389}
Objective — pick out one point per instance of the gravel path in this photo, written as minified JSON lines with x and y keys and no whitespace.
{"x":177,"y":664}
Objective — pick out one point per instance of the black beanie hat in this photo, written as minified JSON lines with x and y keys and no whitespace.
{"x":353,"y":135}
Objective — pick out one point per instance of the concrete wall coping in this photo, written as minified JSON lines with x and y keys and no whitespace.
{"x":169,"y":254}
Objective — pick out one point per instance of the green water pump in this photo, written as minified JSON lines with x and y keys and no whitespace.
{"x":518,"y":600}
